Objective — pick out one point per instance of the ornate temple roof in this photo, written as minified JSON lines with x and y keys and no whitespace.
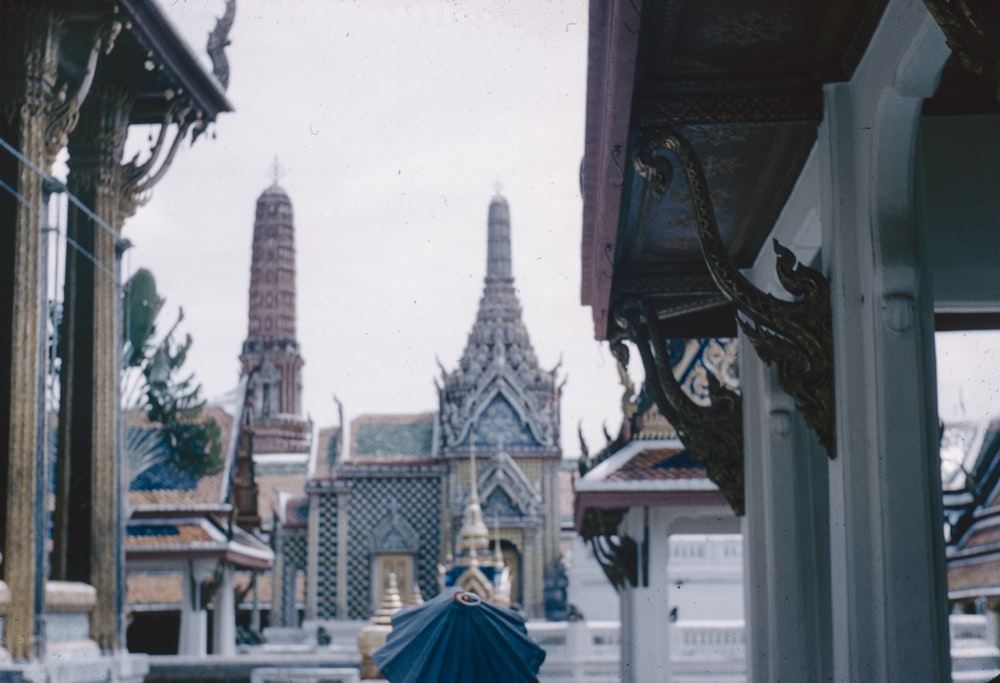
{"x":498,"y":393}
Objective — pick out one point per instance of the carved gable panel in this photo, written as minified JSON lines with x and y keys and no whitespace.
{"x":500,"y":504}
{"x":393,"y":534}
{"x":501,"y":424}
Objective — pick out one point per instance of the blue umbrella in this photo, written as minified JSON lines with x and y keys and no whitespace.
{"x":458,"y":637}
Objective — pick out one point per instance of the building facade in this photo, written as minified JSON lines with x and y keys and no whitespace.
{"x":392,"y":495}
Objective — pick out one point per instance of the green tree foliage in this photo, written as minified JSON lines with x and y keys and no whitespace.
{"x":185,"y":440}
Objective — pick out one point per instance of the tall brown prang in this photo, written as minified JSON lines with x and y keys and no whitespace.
{"x":271,"y":355}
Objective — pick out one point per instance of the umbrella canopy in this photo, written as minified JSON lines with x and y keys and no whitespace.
{"x":456,"y":636}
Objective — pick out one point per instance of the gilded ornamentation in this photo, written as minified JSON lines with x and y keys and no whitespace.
{"x":98,"y":142}
{"x":795,"y":335}
{"x":138,"y":179}
{"x":65,"y":111}
{"x":972,"y":29}
{"x":29,"y":66}
{"x":713,"y":433}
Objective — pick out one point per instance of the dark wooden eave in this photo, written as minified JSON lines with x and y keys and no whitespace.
{"x":742,"y":80}
{"x":150,"y":59}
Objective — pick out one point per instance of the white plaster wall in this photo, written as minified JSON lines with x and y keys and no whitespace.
{"x":589,"y":589}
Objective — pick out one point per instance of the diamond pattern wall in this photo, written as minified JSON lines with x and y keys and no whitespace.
{"x":326,"y":572}
{"x":419,"y":502}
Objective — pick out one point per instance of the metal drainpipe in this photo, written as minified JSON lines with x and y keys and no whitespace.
{"x":49,"y":187}
{"x":121,"y":482}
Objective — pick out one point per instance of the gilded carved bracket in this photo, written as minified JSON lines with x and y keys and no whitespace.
{"x":796,"y":335}
{"x":138,"y":179}
{"x":972,"y":29}
{"x":712,"y":434}
{"x":64,"y":112}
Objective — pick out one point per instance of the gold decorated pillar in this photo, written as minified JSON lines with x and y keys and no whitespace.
{"x":28,"y":70}
{"x":86,"y":528}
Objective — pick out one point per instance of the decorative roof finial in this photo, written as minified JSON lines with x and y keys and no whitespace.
{"x":391,"y":602}
{"x":498,"y":268}
{"x":276,"y":170}
{"x":473,"y":536}
{"x":218,"y":41}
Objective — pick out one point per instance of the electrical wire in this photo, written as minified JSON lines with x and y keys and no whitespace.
{"x":36,"y":210}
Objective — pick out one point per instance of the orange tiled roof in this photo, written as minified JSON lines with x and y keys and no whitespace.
{"x":659,"y":464}
{"x":170,"y":534}
{"x":208,"y":489}
{"x":982,"y":536}
{"x":974,"y":575}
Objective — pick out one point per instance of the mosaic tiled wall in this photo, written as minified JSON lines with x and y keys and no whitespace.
{"x":293,"y":551}
{"x":419,"y":502}
{"x":326,"y":572}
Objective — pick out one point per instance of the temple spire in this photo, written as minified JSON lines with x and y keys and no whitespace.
{"x":271,"y":354}
{"x":498,"y":266}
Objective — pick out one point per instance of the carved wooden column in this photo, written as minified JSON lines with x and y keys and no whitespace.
{"x":86,"y":527}
{"x":29,"y":39}
{"x":36,"y":116}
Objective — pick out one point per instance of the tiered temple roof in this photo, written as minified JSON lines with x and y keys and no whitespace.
{"x":498,"y":393}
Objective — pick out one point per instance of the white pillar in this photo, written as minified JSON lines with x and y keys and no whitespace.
{"x":887,"y":555}
{"x":224,"y":616}
{"x":645,"y":606}
{"x":785,"y":534}
{"x":193,"y":637}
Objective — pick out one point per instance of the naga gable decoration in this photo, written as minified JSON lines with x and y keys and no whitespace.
{"x":795,"y":335}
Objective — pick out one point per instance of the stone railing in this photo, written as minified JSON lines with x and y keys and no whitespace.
{"x":706,"y":550}
{"x":578,"y":650}
{"x":708,"y":641}
{"x":974,"y":653}
{"x":304,"y":675}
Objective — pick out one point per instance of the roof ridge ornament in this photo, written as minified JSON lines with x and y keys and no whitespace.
{"x":795,"y":335}
{"x":218,"y":41}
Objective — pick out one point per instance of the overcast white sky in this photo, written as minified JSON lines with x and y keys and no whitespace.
{"x":394,"y":121}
